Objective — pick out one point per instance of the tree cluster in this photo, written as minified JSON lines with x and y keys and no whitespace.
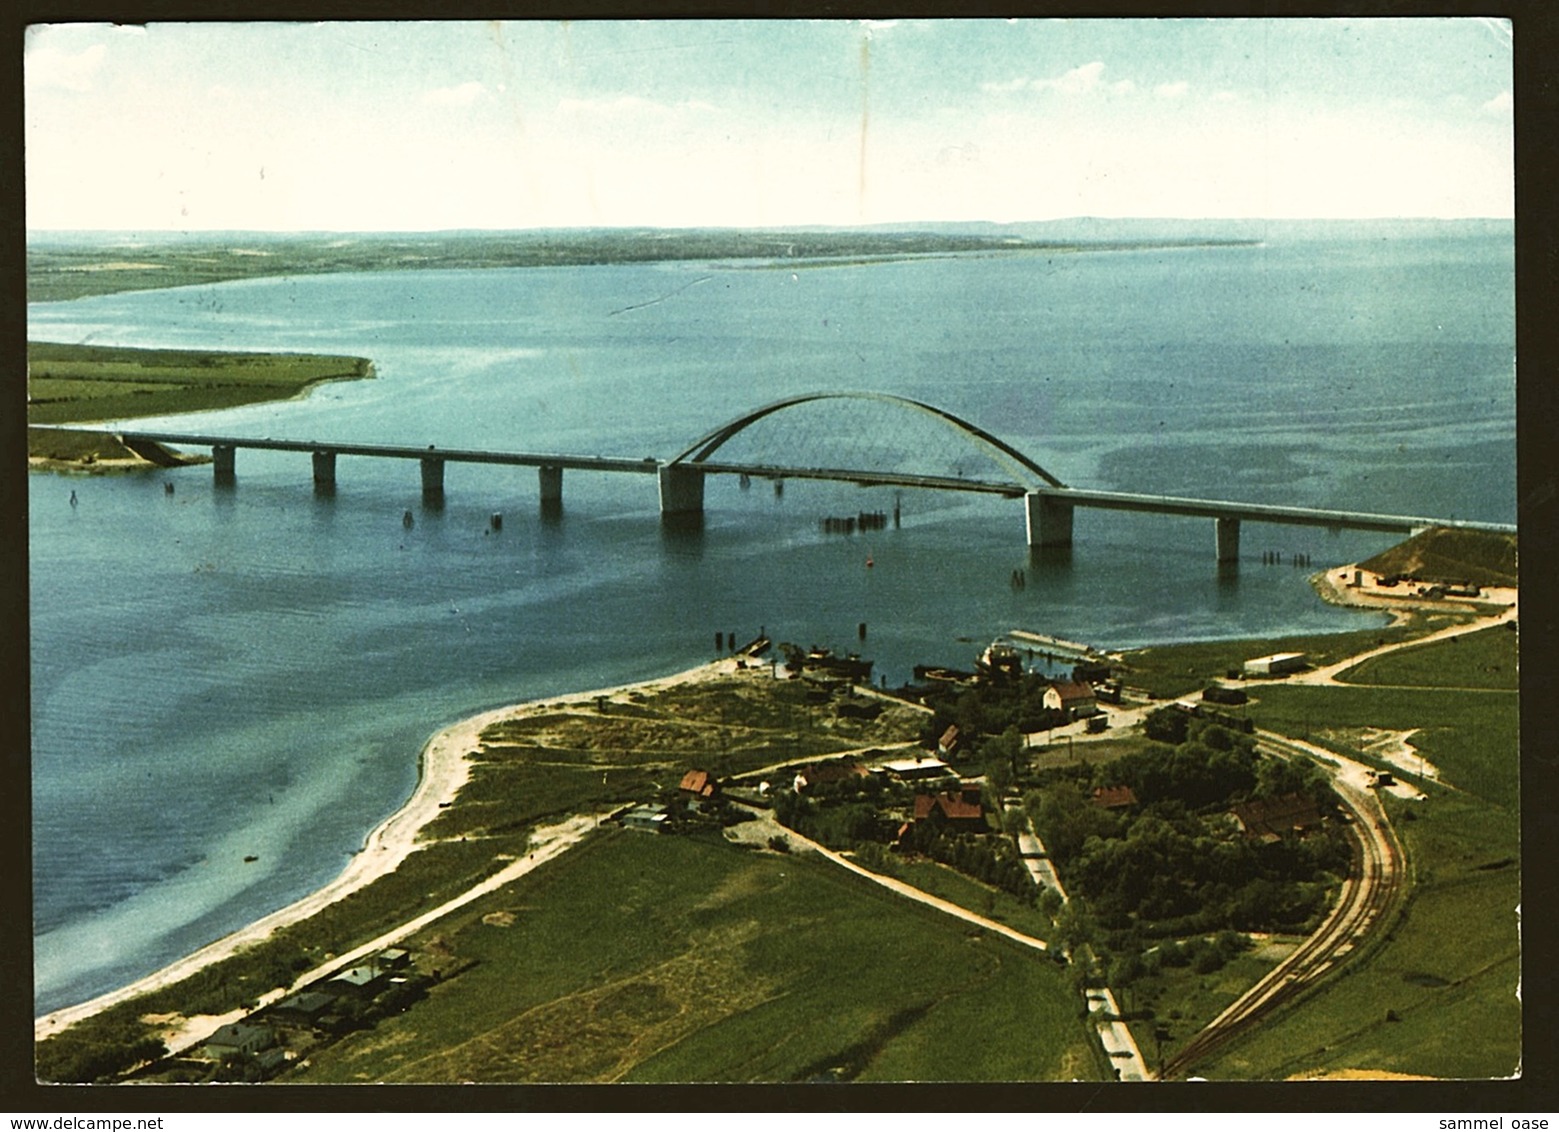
{"x":1176,"y":863}
{"x":985,"y":708}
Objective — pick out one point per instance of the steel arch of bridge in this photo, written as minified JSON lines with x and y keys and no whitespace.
{"x":705,"y":446}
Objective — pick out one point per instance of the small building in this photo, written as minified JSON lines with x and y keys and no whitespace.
{"x":1278,"y":664}
{"x":650,"y":818}
{"x":948,"y":743}
{"x":362,"y":981}
{"x":1114,"y":797}
{"x":238,"y":1039}
{"x":308,"y":1007}
{"x":916,"y":770}
{"x":394,"y":959}
{"x":1073,"y":700}
{"x":1271,"y":819}
{"x":700,"y":784}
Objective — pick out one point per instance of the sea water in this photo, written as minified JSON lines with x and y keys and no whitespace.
{"x":249,"y":672}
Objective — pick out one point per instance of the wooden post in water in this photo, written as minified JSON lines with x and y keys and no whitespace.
{"x":433,"y":479}
{"x":222,"y":463}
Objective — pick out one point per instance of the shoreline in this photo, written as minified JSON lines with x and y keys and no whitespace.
{"x":444,"y":767}
{"x":1330,"y":585}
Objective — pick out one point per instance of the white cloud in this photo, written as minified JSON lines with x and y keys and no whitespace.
{"x":1087,"y":79}
{"x":1500,"y":104}
{"x":1079,"y":80}
{"x":49,"y":68}
{"x":463,"y":95}
{"x":1172,"y":90}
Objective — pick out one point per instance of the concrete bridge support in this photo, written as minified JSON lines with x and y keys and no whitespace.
{"x":324,"y":468}
{"x":551,"y":485}
{"x":222,"y":462}
{"x":1228,"y":539}
{"x":433,"y":479}
{"x":681,"y":490}
{"x":1049,"y":520}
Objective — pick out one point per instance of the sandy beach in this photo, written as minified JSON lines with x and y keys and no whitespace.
{"x":444,"y":769}
{"x":1335,"y":586}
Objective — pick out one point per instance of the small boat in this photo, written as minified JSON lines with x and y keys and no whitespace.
{"x":869,"y":562}
{"x":250,"y":859}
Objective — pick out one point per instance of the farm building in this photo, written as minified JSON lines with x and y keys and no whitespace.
{"x":960,"y":811}
{"x":307,"y":1007}
{"x":700,"y":784}
{"x":912,"y":770}
{"x":238,"y":1039}
{"x":1270,"y":819}
{"x":1278,"y":664}
{"x":1114,"y":797}
{"x":651,"y":818}
{"x":1074,"y":700}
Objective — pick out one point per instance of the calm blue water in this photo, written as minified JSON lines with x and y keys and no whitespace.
{"x":219,"y":673}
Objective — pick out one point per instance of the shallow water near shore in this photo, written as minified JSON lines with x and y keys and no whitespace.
{"x":226,"y":673}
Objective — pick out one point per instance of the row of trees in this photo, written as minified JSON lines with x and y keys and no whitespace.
{"x":993,"y":860}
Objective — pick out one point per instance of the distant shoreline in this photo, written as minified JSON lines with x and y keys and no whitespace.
{"x":72,"y":389}
{"x":62,"y":269}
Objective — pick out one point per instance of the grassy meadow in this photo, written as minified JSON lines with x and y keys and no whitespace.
{"x":698,"y":961}
{"x":1485,"y":659}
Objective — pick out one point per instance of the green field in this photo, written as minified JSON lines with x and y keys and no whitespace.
{"x":1485,"y":659}
{"x":1174,"y":670}
{"x":68,"y":383}
{"x":982,"y":899}
{"x":697,"y":961}
{"x":74,"y":383}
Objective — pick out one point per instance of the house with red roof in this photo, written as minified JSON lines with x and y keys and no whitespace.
{"x":700,"y":784}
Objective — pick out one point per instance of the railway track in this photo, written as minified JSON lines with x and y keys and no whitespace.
{"x":1375,"y":880}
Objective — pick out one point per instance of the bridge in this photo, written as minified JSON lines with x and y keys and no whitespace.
{"x":1049,"y":504}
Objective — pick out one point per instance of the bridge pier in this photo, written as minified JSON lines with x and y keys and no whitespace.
{"x":324,"y":468}
{"x":551,"y":484}
{"x":681,"y":490}
{"x":222,"y":462}
{"x":1049,"y":520}
{"x":1228,"y":535}
{"x":433,"y":479}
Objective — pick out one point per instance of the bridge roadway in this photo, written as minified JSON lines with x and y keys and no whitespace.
{"x":1048,"y":509}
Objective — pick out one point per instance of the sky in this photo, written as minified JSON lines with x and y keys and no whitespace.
{"x":420,"y":126}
